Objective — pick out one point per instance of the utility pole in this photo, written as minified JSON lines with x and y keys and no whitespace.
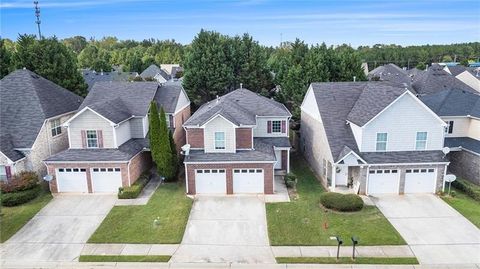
{"x":37,"y":14}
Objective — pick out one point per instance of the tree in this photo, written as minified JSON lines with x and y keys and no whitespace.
{"x":154,"y":133}
{"x":173,"y":148}
{"x":76,"y":43}
{"x":6,"y":59}
{"x":50,"y":59}
{"x":164,"y":162}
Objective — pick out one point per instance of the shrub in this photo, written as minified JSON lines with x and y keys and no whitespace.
{"x":136,"y":188}
{"x":20,"y":182}
{"x":468,"y":188}
{"x":341,"y":202}
{"x":20,"y":197}
{"x":291,"y":180}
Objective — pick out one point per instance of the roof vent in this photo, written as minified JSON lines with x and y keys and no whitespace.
{"x":218,"y":99}
{"x":24,"y":68}
{"x":241,"y":85}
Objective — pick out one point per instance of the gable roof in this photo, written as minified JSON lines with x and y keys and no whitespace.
{"x":117,"y":101}
{"x":152,"y":71}
{"x":167,"y":95}
{"x":239,"y":107}
{"x":453,"y":103}
{"x":456,"y":69}
{"x":435,"y":79}
{"x":26,"y":101}
{"x":390,"y":72}
{"x":91,"y":76}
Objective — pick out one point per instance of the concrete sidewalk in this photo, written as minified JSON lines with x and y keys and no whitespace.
{"x":345,"y":251}
{"x":144,"y":196}
{"x":129,"y":249}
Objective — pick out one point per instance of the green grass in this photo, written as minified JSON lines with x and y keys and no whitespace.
{"x":124,"y":258}
{"x":301,"y":222}
{"x":13,"y":218}
{"x":135,"y":224}
{"x":465,"y":205}
{"x":347,"y":260}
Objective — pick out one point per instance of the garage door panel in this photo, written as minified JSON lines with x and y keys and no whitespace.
{"x":421,"y":180}
{"x":71,"y":180}
{"x":210,"y":181}
{"x":383,"y":181}
{"x":248,"y":180}
{"x":106,"y":179}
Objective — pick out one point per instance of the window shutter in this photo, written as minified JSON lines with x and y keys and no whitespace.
{"x":84,"y":138}
{"x":170,"y":119}
{"x":8,"y":172}
{"x":100,"y":138}
{"x":269,"y":127}
{"x":284,"y":126}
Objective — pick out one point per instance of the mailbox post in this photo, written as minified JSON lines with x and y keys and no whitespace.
{"x":339,"y":242}
{"x":354,"y":243}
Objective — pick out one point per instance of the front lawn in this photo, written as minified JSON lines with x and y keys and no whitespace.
{"x":13,"y":218}
{"x":301,"y":222}
{"x":135,"y":224}
{"x":347,"y":260}
{"x":465,"y":205}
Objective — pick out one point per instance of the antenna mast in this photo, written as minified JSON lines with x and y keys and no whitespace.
{"x":37,"y":14}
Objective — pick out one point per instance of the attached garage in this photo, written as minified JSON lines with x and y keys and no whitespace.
{"x":210,"y":181}
{"x":420,"y":180}
{"x":71,"y":180}
{"x":106,"y":179}
{"x":383,"y":181}
{"x":248,"y":181}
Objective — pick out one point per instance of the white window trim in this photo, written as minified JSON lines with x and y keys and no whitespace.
{"x":376,"y":142}
{"x":280,"y":126}
{"x":96,"y":137}
{"x":55,"y":127}
{"x":215,"y":141}
{"x":416,"y":140}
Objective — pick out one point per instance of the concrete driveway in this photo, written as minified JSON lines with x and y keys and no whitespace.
{"x":226,"y":229}
{"x":435,"y":232}
{"x":59,"y":231}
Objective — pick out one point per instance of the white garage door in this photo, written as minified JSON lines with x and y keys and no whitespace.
{"x":210,"y":181}
{"x":420,"y":180}
{"x":106,"y":179}
{"x":72,"y":180}
{"x":383,"y":181}
{"x":248,"y":181}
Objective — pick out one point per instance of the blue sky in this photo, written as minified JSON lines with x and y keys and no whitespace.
{"x":355,"y":22}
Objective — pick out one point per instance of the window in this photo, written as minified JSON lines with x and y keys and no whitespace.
{"x":449,"y":127}
{"x":219,"y":140}
{"x":3,"y":173}
{"x":421,"y":142}
{"x":431,"y":170}
{"x":92,"y":139}
{"x":276,"y":126}
{"x":56,"y":128}
{"x":381,"y":141}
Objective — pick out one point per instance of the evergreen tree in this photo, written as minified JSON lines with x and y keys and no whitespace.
{"x":173,"y":148}
{"x":6,"y":59}
{"x":154,"y":133}
{"x":164,"y":162}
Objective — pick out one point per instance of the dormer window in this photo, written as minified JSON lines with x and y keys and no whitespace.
{"x":381,"y":141}
{"x":276,"y":126}
{"x":219,"y":140}
{"x":92,"y":139}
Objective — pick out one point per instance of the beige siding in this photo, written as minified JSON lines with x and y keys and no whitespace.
{"x":474,"y":130}
{"x":467,"y":78}
{"x":90,"y":121}
{"x":219,"y":124}
{"x":261,"y":129}
{"x":461,"y":126}
{"x":402,"y":121}
{"x":310,"y":105}
{"x":136,"y":127}
{"x":123,"y":133}
{"x":182,"y":101}
{"x":358,"y":134}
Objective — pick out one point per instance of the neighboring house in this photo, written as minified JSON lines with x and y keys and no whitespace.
{"x":435,"y":79}
{"x":390,"y":72}
{"x":171,"y":69}
{"x":91,"y":76}
{"x":237,"y":142}
{"x":156,"y":73}
{"x":454,"y":70}
{"x":33,"y":110}
{"x":414,"y":72}
{"x":471,"y":77}
{"x":461,"y":111}
{"x":109,"y":145}
{"x":375,"y":136}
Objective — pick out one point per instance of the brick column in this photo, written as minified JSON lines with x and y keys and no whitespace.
{"x":229,"y":175}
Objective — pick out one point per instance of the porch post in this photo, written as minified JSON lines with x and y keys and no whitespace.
{"x":334,"y":174}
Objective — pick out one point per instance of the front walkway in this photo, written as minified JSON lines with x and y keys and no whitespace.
{"x":144,"y":196}
{"x":436,"y":233}
{"x":226,"y":229}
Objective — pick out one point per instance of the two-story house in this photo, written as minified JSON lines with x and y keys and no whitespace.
{"x":108,"y":137}
{"x":461,"y":112}
{"x":236,"y":142}
{"x":156,"y":73}
{"x":374,"y":137}
{"x":33,"y":110}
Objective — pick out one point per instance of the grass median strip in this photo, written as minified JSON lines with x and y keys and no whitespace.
{"x":124,"y":258}
{"x":347,"y":260}
{"x":466,"y":205}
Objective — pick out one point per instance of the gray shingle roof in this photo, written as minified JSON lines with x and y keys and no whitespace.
{"x":432,"y":156}
{"x":456,"y":69}
{"x":91,"y":77}
{"x":26,"y":101}
{"x":135,"y":98}
{"x":390,"y":72}
{"x":453,"y":103}
{"x":167,"y":95}
{"x":435,"y":79}
{"x":240,"y":107}
{"x":124,"y":153}
{"x":152,"y":71}
{"x":263,"y":152}
{"x":464,"y":142}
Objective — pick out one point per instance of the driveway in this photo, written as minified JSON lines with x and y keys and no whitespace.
{"x":435,"y":232}
{"x":226,"y":229}
{"x":59,"y":231}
